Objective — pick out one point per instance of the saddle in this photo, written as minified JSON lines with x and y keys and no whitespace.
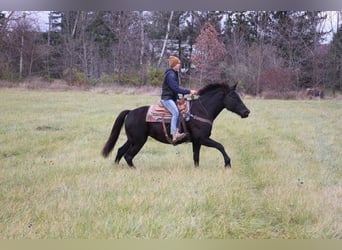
{"x":158,"y":113}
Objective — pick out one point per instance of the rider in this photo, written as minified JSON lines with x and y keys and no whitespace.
{"x":169,"y":96}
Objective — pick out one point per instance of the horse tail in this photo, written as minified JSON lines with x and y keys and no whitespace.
{"x":114,"y":134}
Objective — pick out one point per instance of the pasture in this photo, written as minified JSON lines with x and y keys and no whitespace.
{"x":285,"y":181}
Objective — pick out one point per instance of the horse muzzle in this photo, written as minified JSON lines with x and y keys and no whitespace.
{"x":245,"y":114}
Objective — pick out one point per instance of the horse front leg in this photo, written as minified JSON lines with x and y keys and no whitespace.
{"x":196,"y":152}
{"x":214,"y":144}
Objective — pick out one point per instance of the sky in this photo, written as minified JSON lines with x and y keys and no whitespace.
{"x":43,"y":19}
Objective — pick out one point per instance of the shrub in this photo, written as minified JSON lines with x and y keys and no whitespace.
{"x":108,"y":78}
{"x":74,"y":76}
{"x":155,"y":76}
{"x":129,"y":79}
{"x":9,"y":76}
{"x":278,"y":80}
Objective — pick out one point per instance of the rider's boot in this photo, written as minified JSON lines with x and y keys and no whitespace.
{"x":178,"y":136}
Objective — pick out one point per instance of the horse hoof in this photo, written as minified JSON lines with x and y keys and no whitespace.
{"x":228,"y":166}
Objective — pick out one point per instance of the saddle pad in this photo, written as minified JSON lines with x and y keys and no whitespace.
{"x":157,"y":112}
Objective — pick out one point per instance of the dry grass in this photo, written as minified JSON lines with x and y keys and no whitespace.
{"x":285,"y":182}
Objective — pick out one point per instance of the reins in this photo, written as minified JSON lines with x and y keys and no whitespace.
{"x":201,"y":119}
{"x":198,"y":118}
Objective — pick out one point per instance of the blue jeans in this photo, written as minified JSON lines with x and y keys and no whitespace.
{"x":172,"y":107}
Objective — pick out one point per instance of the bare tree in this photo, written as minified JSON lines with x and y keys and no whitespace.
{"x":142,"y":48}
{"x":166,"y":38}
{"x":18,"y":34}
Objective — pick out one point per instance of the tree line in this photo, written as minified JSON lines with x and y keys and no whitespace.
{"x":277,"y":51}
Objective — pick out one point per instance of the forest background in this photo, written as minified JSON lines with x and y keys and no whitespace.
{"x":277,"y":52}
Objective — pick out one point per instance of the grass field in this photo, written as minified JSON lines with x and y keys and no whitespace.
{"x":285,"y":182}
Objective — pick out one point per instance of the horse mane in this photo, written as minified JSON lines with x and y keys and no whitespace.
{"x":213,"y":86}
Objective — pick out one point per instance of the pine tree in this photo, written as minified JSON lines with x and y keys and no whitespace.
{"x":209,"y":53}
{"x":294,"y":34}
{"x":334,"y":65}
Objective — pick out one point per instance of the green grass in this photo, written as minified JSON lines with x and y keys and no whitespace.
{"x":285,"y":181}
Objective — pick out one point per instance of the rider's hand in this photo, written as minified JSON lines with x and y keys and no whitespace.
{"x":193,"y":92}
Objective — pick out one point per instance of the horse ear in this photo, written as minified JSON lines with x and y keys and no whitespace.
{"x":235,"y":85}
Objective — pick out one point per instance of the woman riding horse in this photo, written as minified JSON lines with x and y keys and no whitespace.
{"x":169,"y":96}
{"x":212,"y":100}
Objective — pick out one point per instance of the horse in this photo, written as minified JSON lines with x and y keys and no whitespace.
{"x":212,"y":99}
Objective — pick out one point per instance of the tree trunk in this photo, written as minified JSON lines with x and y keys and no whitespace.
{"x":31,"y":62}
{"x":166,"y":38}
{"x":260,"y":59}
{"x":21,"y":56}
{"x":48,"y":45}
{"x":75,"y":25}
{"x":84,"y":43}
{"x":120,"y":57}
{"x":142,"y":36}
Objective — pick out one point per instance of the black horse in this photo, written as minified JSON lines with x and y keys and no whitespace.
{"x":212,"y":100}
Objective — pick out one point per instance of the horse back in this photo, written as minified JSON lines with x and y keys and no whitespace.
{"x":137,"y":115}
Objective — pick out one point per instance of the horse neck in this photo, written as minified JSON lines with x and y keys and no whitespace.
{"x":212,"y":103}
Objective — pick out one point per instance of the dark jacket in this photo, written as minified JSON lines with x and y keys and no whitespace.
{"x":171,"y":89}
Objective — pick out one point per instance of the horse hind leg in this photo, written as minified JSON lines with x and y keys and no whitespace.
{"x":131,"y":153}
{"x":122,"y":151}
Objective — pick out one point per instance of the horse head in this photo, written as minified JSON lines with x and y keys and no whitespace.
{"x":232,"y":101}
